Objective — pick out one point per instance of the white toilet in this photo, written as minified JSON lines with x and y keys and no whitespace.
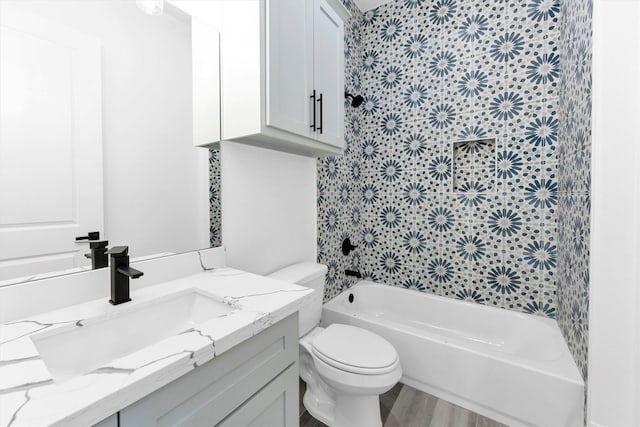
{"x":345,"y":367}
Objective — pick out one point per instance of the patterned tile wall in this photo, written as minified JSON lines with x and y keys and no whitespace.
{"x":433,"y":73}
{"x":340,"y":177}
{"x":574,"y":179}
{"x":214,"y":197}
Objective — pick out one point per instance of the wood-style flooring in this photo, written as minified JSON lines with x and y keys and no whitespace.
{"x":404,"y":406}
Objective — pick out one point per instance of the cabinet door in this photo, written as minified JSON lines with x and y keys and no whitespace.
{"x":329,"y":73}
{"x":276,"y":405}
{"x":205,"y":57}
{"x":289,"y":65}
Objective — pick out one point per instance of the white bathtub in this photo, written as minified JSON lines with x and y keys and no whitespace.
{"x":512,"y":367}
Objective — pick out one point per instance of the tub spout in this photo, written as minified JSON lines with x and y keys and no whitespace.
{"x":353,"y":273}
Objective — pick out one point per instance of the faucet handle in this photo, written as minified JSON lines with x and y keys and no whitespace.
{"x":117,"y":251}
{"x":92,"y":235}
{"x":347,"y":247}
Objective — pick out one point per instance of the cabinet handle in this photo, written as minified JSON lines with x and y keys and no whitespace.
{"x":320,"y":102}
{"x":313,"y":102}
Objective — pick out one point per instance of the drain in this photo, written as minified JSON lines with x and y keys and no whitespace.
{"x":350,"y":297}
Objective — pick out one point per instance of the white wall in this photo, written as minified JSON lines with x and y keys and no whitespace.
{"x":155,"y":181}
{"x":614,"y":317}
{"x":269,"y":217}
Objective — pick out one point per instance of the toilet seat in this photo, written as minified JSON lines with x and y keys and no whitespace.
{"x":354,"y":350}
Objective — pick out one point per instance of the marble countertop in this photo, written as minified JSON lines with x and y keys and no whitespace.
{"x":29,"y":396}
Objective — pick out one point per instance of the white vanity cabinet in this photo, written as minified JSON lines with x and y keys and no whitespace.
{"x":253,"y":383}
{"x":282,"y":74}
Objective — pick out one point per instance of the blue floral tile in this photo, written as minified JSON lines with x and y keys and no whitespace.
{"x":417,"y":96}
{"x":528,"y":178}
{"x":581,"y":175}
{"x":470,"y":293}
{"x":371,"y":270}
{"x":396,"y":240}
{"x":414,"y":146}
{"x":373,"y":237}
{"x":441,"y":274}
{"x":414,"y":281}
{"x":374,"y":148}
{"x":463,"y":38}
{"x":547,"y":305}
{"x":497,"y":285}
{"x":485,"y":253}
{"x":422,"y":280}
{"x":390,"y":265}
{"x":433,"y":33}
{"x":534,"y":18}
{"x":428,"y":224}
{"x":374,"y":107}
{"x":536,"y":72}
{"x":527,"y":224}
{"x":476,"y":125}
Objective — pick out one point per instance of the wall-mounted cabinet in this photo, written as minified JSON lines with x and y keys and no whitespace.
{"x":282,"y":74}
{"x":205,"y":74}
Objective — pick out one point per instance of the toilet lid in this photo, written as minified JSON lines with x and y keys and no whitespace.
{"x":354,"y":349}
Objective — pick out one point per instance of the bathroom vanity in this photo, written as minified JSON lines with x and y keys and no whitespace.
{"x":217,"y":347}
{"x":254,"y":383}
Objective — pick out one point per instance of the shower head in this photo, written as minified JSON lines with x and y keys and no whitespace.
{"x":356,"y":100}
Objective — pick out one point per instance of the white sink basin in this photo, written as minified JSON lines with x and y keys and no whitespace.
{"x":72,"y":351}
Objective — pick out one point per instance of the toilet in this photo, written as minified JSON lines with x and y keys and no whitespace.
{"x":345,"y":367}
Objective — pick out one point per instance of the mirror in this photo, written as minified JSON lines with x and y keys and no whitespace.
{"x":97,"y":135}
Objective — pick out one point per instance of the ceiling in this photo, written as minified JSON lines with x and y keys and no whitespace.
{"x":365,"y":5}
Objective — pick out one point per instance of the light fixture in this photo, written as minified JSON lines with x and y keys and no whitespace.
{"x":151,"y":7}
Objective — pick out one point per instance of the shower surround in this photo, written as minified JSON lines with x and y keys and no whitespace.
{"x":434,"y":73}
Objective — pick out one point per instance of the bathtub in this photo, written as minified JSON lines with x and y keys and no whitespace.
{"x":512,"y":367}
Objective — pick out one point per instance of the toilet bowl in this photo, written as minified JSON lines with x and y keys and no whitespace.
{"x":345,"y":367}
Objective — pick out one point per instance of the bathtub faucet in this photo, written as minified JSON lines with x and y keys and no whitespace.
{"x":353,"y":273}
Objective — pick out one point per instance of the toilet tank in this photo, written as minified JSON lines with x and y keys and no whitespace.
{"x":311,"y":275}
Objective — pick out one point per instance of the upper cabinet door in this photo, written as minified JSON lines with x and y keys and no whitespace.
{"x":329,"y":73}
{"x":290,"y":65}
{"x":205,"y":69}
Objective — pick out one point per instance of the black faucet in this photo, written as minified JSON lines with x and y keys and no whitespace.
{"x":98,"y":255}
{"x":120,"y":274}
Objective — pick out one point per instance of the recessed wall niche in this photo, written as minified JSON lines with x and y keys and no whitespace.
{"x":474,"y":166}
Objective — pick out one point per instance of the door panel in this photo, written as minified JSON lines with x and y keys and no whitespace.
{"x":329,"y":72}
{"x":50,"y":144}
{"x":289,"y":65}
